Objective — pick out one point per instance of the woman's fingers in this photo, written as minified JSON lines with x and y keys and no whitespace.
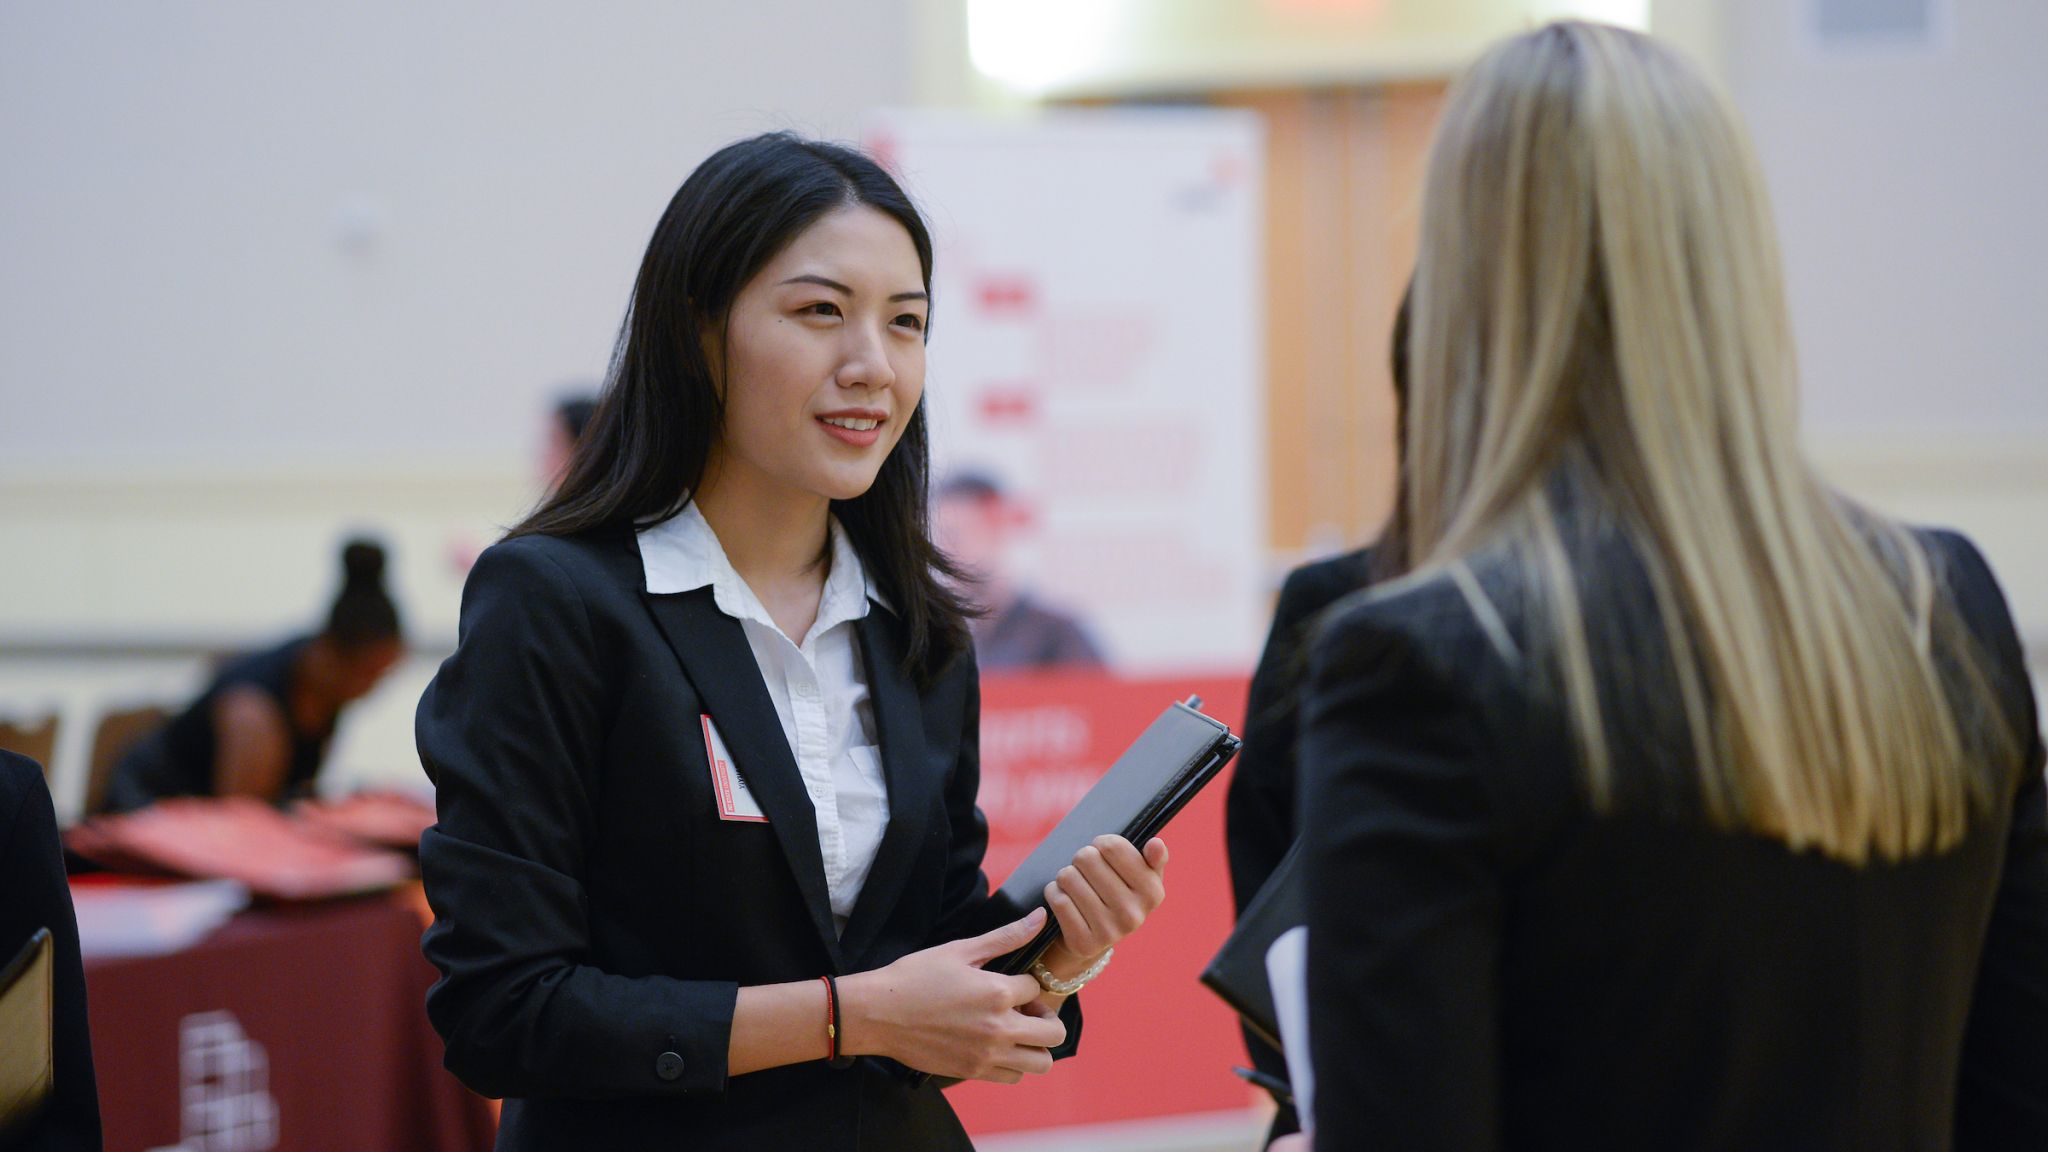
{"x":1017,"y":933}
{"x":1030,"y":1061}
{"x":1133,"y":867}
{"x":1020,"y":990}
{"x":1123,"y":906}
{"x":1040,"y":1032}
{"x":1100,"y":917}
{"x":1075,"y":928}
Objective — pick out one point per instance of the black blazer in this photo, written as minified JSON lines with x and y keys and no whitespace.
{"x":35,"y":895}
{"x":594,"y":918}
{"x":1258,"y":813}
{"x":1493,"y":966}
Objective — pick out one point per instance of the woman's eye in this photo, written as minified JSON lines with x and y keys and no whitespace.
{"x":821,"y":308}
{"x":912,"y":321}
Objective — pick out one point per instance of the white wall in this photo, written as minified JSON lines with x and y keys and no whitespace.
{"x":240,"y":232}
{"x":273,"y":271}
{"x":1910,"y":185}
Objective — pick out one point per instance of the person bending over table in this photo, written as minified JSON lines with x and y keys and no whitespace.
{"x":262,"y":726}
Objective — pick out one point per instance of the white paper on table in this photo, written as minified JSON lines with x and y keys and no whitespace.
{"x":1287,"y":973}
{"x":153,"y":920}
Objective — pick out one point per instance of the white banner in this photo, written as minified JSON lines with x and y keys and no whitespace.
{"x":1096,"y":357}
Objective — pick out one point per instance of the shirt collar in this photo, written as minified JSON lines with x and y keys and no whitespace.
{"x":682,"y":554}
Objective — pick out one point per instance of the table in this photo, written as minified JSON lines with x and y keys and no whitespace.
{"x":292,"y":1028}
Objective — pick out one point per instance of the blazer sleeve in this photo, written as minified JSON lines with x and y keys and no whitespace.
{"x":1258,"y":808}
{"x":1405,"y":895}
{"x":2002,"y":1100}
{"x":508,"y":730}
{"x":1259,"y":805}
{"x":34,"y":895}
{"x":966,"y":909}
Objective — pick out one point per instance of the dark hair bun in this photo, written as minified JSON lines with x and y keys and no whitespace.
{"x":362,"y":563}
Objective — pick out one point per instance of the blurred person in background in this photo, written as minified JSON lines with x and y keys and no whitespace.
{"x":1671,"y":800}
{"x":707,"y":873}
{"x":1259,"y":809}
{"x":566,"y":422}
{"x":564,"y":426}
{"x":34,"y":896}
{"x":262,"y":726}
{"x":977,"y":525}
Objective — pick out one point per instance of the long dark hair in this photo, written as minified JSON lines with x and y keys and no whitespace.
{"x":645,"y":450}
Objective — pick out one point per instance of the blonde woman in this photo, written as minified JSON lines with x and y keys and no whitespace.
{"x":1670,"y":801}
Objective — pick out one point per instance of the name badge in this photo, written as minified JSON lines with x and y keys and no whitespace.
{"x":735,"y":801}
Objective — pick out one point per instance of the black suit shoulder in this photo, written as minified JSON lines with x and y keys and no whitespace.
{"x":1259,"y":807}
{"x":598,"y":564}
{"x":1320,"y":583}
{"x":1965,"y":577}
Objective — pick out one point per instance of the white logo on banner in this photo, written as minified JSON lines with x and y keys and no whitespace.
{"x":225,"y":1089}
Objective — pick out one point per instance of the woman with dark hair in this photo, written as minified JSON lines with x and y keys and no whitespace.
{"x":262,"y":726}
{"x":707,"y":873}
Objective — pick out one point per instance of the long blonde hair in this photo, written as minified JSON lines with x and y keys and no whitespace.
{"x":1599,"y":319}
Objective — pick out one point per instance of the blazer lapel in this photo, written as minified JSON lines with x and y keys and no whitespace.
{"x":715,"y":656}
{"x":899,"y":720}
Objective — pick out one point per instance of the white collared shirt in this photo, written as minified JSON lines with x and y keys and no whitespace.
{"x":819,"y":688}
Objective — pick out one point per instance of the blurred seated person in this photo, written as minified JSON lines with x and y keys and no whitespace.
{"x":976,"y":524}
{"x":34,"y":896}
{"x":262,"y":727}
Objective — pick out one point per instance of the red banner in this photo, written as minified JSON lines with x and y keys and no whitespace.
{"x":1155,"y":1043}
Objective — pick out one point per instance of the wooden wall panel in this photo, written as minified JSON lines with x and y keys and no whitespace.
{"x":1343,"y":170}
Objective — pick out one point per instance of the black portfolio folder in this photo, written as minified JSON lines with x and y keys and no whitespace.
{"x":1238,"y":973}
{"x":1148,"y":785}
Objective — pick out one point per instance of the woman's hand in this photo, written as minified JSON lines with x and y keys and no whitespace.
{"x":1102,"y":897}
{"x":938,"y":1012}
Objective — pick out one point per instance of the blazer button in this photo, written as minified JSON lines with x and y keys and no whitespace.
{"x":668,"y":1066}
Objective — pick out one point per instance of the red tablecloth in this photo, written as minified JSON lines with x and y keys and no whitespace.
{"x":298,"y":1029}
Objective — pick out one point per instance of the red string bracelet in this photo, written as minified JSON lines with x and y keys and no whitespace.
{"x":831,"y":1018}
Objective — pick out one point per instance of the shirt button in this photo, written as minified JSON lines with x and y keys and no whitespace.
{"x":668,"y":1065}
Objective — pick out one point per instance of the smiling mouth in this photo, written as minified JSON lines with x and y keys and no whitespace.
{"x":851,"y":424}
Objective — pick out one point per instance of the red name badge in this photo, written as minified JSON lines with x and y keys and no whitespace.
{"x":735,"y":801}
